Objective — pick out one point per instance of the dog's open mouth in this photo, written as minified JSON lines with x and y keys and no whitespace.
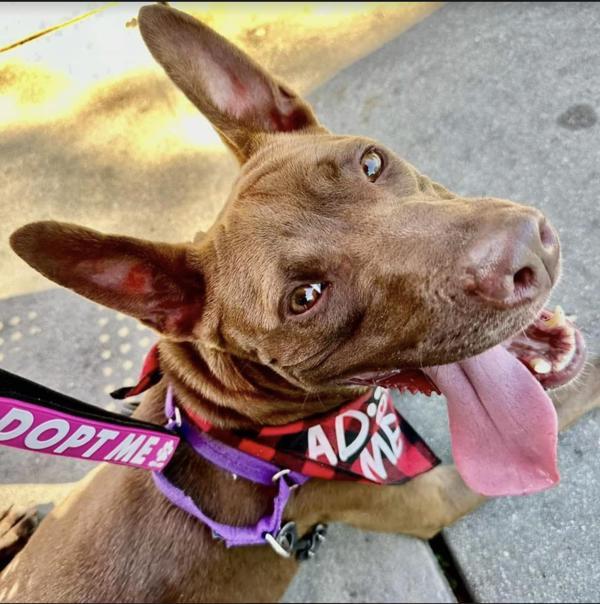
{"x":503,"y":425}
{"x":552,"y":348}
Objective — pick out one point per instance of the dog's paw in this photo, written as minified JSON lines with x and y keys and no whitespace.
{"x":16,"y":527}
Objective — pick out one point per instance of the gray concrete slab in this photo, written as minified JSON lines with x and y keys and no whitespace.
{"x":539,"y":548}
{"x":357,"y":566}
{"x":502,"y":99}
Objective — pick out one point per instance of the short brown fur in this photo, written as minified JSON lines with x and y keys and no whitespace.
{"x":301,"y":211}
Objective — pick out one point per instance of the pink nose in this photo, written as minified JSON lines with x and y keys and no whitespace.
{"x":513,"y":262}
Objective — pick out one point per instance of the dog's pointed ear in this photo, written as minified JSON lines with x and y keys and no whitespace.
{"x":239,"y":97}
{"x":160,"y":284}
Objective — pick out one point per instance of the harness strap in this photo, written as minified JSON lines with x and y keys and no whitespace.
{"x":239,"y":464}
{"x":233,"y":536}
{"x":39,"y":419}
{"x":19,"y":388}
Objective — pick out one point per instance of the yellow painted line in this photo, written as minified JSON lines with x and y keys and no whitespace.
{"x":53,"y":28}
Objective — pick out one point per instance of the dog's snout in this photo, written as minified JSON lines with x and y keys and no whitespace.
{"x":513,"y":262}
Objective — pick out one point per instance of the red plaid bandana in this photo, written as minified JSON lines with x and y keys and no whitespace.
{"x":366,"y":440}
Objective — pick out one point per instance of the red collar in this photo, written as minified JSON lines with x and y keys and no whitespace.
{"x":365,"y":440}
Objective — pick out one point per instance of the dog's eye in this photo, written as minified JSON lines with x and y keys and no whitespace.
{"x":306,"y":296}
{"x":372,"y":164}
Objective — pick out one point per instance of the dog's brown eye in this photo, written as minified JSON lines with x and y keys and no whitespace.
{"x":305,"y":297}
{"x":372,"y":164}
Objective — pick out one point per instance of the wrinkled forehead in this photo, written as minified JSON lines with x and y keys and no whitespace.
{"x":294,"y":187}
{"x":297,"y":166}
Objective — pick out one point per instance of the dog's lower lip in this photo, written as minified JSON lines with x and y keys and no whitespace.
{"x":410,"y":380}
{"x":551,"y":347}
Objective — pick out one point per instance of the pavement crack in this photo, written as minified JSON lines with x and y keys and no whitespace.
{"x":450,"y":569}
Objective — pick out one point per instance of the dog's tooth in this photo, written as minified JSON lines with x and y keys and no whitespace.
{"x":541,"y":366}
{"x":557,"y":319}
{"x":566,"y":359}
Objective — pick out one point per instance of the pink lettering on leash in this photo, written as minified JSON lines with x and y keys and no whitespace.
{"x":31,"y":427}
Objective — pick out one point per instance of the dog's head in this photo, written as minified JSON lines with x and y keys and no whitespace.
{"x":334,"y":261}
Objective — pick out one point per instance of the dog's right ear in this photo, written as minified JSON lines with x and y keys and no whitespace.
{"x":160,"y":284}
{"x":239,"y":97}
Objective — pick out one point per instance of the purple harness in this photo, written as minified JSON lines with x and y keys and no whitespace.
{"x":238,"y":463}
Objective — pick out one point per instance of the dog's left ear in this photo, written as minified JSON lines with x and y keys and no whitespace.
{"x":239,"y":97}
{"x":160,"y":284}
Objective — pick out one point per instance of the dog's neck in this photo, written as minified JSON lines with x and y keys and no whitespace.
{"x":231,"y":392}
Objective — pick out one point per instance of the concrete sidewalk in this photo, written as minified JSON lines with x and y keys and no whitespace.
{"x":490,"y":98}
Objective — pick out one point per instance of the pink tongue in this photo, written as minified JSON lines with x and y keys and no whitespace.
{"x":502,"y":423}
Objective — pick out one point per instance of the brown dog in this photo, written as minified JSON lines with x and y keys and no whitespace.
{"x":333,"y":264}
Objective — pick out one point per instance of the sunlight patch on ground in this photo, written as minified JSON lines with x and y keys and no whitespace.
{"x":53,"y":76}
{"x":94,"y":132}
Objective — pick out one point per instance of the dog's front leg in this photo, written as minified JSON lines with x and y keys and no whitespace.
{"x":421,"y":507}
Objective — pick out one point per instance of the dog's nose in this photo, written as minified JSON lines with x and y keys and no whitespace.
{"x":514,"y":262}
